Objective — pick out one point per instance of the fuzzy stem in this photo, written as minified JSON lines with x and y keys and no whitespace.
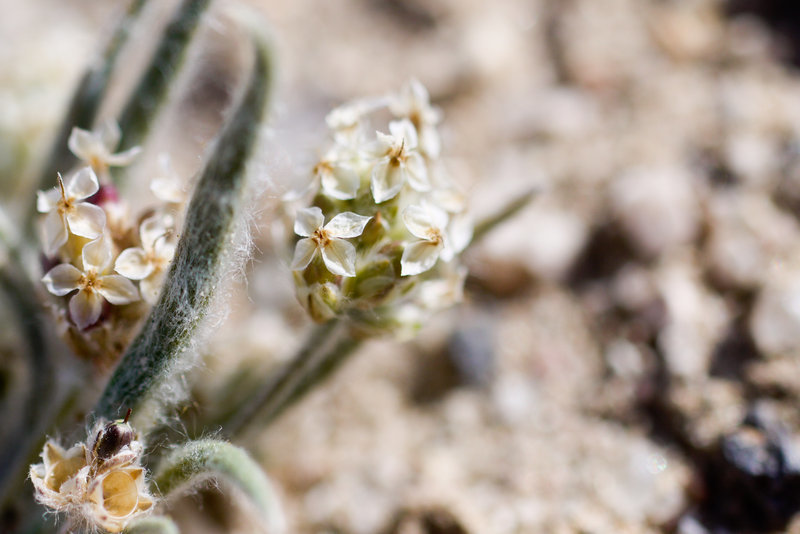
{"x":488,"y":224}
{"x":326,"y":348}
{"x":278,"y":386}
{"x":194,"y":463}
{"x":155,"y":354}
{"x":151,"y":92}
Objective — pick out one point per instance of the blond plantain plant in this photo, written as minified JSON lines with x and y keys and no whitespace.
{"x":111,"y":309}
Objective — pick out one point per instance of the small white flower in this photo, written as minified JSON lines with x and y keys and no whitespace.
{"x":346,"y":120}
{"x":397,"y":162}
{"x":428,"y":223}
{"x":339,"y":255}
{"x":66,"y":213}
{"x":93,"y":284}
{"x":149,"y":262}
{"x":168,"y":186}
{"x":337,"y":175}
{"x":96,"y":147}
{"x":413,"y":103}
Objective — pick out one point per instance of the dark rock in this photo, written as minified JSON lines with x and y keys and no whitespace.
{"x":466,"y":361}
{"x":471,"y":349}
{"x":752,"y":478}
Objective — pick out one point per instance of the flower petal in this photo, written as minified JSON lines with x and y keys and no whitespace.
{"x":122,"y":159}
{"x":62,"y":279}
{"x":82,"y":143}
{"x":419,"y":257}
{"x":120,"y":494}
{"x":387,"y":180}
{"x":418,"y":220}
{"x":417,"y":173}
{"x":347,"y":224}
{"x":303,"y":254}
{"x":117,"y":289}
{"x":382,"y":145}
{"x":308,"y":221}
{"x":97,"y":255}
{"x":132,"y":263}
{"x":47,"y":200}
{"x":460,"y":232}
{"x":341,"y":182}
{"x":55,"y":232}
{"x":86,"y":220}
{"x":82,"y":184}
{"x":168,"y":190}
{"x":404,"y":129}
{"x":151,"y":230}
{"x":85,"y":308}
{"x":429,"y":141}
{"x":150,"y":287}
{"x":165,"y":249}
{"x":109,"y":134}
{"x":340,"y":257}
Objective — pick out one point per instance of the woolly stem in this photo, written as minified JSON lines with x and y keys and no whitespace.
{"x":155,"y":354}
{"x":151,"y":92}
{"x":194,"y":463}
{"x":326,"y":348}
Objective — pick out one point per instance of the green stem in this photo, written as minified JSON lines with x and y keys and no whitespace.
{"x":151,"y":92}
{"x":156,"y":354}
{"x":488,"y":224}
{"x":194,"y":463}
{"x":326,"y":348}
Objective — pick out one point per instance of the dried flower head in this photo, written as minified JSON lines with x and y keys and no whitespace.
{"x":100,"y":484}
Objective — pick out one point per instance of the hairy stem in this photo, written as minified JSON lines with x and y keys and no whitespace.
{"x":189,"y":466}
{"x":155,"y":354}
{"x":326,"y":348}
{"x":151,"y":92}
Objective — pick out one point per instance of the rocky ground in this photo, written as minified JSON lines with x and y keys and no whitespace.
{"x":627,"y":356}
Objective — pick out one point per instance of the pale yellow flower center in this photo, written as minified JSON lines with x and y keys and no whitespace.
{"x":321,"y":237}
{"x":434,"y":235}
{"x":90,"y":281}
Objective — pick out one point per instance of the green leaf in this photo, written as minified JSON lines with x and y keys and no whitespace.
{"x":151,"y":92}
{"x":189,"y":466}
{"x":152,"y":525}
{"x":155,"y":355}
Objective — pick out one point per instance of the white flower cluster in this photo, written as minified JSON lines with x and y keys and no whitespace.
{"x":395,"y":223}
{"x":88,"y":238}
{"x":101,"y":483}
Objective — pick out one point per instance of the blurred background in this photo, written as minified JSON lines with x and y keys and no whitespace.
{"x":626,"y":359}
